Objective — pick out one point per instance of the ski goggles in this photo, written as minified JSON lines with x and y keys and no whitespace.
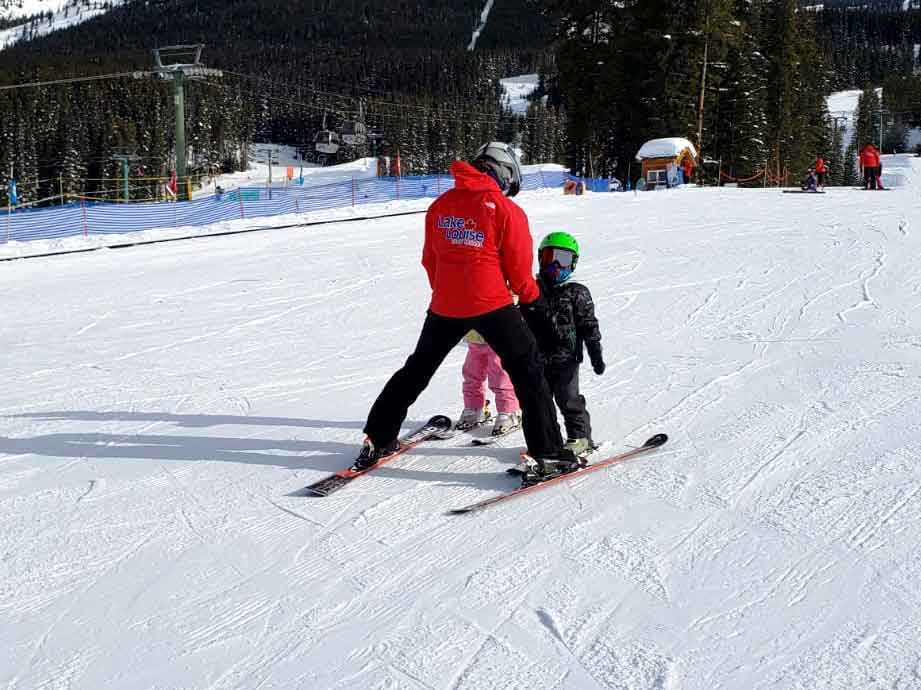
{"x":564,"y":258}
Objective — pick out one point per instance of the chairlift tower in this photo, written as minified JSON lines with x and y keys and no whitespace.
{"x":177,"y":63}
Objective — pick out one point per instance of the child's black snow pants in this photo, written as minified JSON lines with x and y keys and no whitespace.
{"x":564,"y":382}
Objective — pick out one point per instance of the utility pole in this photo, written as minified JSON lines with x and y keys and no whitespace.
{"x":703,"y":87}
{"x":125,"y":158}
{"x":269,"y":154}
{"x":179,"y":102}
{"x":880,"y":113}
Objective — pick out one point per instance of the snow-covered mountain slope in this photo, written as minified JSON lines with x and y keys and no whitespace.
{"x":41,"y":17}
{"x":162,"y":406}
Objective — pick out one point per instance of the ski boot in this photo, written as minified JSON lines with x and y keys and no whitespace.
{"x":472,"y":417}
{"x":506,"y":422}
{"x":580,"y":446}
{"x":370,"y":456}
{"x":549,"y":466}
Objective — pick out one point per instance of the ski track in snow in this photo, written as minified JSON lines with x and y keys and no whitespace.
{"x":164,"y":405}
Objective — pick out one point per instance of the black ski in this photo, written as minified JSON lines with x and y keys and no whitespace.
{"x":336,"y":481}
{"x":651,"y":444}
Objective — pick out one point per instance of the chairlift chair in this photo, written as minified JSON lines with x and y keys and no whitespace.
{"x":327,"y":142}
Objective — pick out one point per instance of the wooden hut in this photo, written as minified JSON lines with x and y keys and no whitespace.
{"x":661,"y":158}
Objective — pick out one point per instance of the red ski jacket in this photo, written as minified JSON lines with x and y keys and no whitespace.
{"x":820,"y":165}
{"x":476,"y":239}
{"x":869,"y":157}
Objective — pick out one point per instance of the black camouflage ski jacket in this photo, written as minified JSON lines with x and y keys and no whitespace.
{"x":572,"y":313}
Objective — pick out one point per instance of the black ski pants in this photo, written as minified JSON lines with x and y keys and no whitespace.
{"x":506,"y":332}
{"x":564,"y":383}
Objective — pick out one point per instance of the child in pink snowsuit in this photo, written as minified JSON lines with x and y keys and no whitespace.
{"x":483,"y":364}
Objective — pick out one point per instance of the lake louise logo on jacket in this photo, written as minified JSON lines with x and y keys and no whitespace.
{"x":461,"y":231}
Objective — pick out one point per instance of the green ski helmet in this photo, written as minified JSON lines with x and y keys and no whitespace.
{"x":557,"y":256}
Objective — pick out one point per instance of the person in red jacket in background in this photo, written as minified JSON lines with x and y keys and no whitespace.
{"x":821,"y":170}
{"x":870,"y":164}
{"x":478,"y":246}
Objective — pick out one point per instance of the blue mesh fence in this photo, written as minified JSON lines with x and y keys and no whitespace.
{"x":101,"y":218}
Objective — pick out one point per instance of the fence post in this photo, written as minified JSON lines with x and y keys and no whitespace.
{"x":86,"y":228}
{"x":398,"y":187}
{"x":353,"y":190}
{"x":542,"y":183}
{"x":240,"y":195}
{"x":297,"y":208}
{"x":438,"y":184}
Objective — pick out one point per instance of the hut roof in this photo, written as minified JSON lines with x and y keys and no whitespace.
{"x":670,"y":147}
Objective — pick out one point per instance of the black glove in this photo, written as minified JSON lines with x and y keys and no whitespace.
{"x":594,"y":354}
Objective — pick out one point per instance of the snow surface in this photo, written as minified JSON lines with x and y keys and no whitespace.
{"x":283,"y":157}
{"x":478,"y":31}
{"x":162,"y":406}
{"x":64,"y":13}
{"x":843,"y":104}
{"x":517,"y":89}
{"x":668,"y":147}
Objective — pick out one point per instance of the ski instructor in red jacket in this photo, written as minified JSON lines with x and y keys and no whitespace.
{"x":478,"y":246}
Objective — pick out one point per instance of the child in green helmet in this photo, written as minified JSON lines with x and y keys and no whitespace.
{"x":574,"y":327}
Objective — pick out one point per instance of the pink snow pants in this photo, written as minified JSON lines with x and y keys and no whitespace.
{"x":483,"y":363}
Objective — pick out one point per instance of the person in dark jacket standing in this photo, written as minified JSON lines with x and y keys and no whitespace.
{"x":477,"y":247}
{"x":572,"y":313}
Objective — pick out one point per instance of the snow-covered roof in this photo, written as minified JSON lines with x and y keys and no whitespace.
{"x":668,"y":147}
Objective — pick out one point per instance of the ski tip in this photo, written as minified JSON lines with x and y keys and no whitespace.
{"x":457,"y":511}
{"x":656,"y":440}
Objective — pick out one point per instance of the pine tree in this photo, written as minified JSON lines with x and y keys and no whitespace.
{"x":866,"y":119}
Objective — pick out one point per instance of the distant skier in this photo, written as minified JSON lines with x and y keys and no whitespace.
{"x":870,"y":164}
{"x":810,"y":182}
{"x":477,"y":245}
{"x":821,"y":171}
{"x":572,"y":313}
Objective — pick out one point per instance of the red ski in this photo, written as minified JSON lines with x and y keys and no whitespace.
{"x":429,"y":430}
{"x":651,"y":444}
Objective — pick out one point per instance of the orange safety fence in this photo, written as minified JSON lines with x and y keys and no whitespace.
{"x":771,"y":179}
{"x":730,"y":178}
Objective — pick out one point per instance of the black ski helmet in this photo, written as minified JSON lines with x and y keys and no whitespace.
{"x":500,"y":161}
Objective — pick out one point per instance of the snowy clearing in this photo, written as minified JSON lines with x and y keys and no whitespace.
{"x":64,"y":13}
{"x":163,"y":405}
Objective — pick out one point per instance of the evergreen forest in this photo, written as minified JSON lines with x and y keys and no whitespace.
{"x":744,"y":79}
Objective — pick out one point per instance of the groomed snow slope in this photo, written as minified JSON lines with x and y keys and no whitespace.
{"x":161,"y":405}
